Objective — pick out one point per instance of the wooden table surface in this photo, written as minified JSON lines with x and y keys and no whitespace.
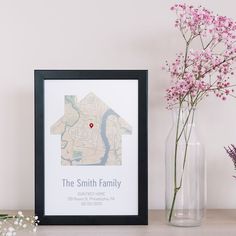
{"x":216,"y":222}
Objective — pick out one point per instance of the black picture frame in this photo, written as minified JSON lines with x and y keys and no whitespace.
{"x":141,"y":218}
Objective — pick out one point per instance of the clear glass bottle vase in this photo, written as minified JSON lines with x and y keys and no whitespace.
{"x":185,"y":171}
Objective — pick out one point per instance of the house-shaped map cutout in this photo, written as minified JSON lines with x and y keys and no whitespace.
{"x":91,"y":132}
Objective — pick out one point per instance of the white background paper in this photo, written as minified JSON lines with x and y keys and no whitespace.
{"x":122,"y":97}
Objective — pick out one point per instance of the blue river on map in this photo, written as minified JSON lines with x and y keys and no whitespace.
{"x":108,"y":113}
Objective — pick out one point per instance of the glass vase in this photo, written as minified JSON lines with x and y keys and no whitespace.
{"x":185,"y":171}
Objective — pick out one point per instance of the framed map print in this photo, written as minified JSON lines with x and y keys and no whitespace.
{"x":91,"y":146}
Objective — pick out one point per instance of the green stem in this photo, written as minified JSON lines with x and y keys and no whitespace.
{"x":177,"y":132}
{"x":173,"y":204}
{"x":175,"y":165}
{"x":185,"y":123}
{"x":176,"y":189}
{"x":5,"y":216}
{"x":185,"y":151}
{"x":176,"y":148}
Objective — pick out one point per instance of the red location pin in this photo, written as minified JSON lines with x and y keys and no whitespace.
{"x":91,"y":125}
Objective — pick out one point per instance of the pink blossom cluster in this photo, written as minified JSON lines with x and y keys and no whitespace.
{"x":198,"y":72}
{"x":196,"y":20}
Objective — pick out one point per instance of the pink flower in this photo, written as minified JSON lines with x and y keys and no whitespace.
{"x":198,"y":72}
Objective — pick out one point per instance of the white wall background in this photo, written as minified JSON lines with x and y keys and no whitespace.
{"x":104,"y":34}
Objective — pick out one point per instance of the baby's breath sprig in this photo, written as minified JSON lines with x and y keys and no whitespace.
{"x":10,"y":224}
